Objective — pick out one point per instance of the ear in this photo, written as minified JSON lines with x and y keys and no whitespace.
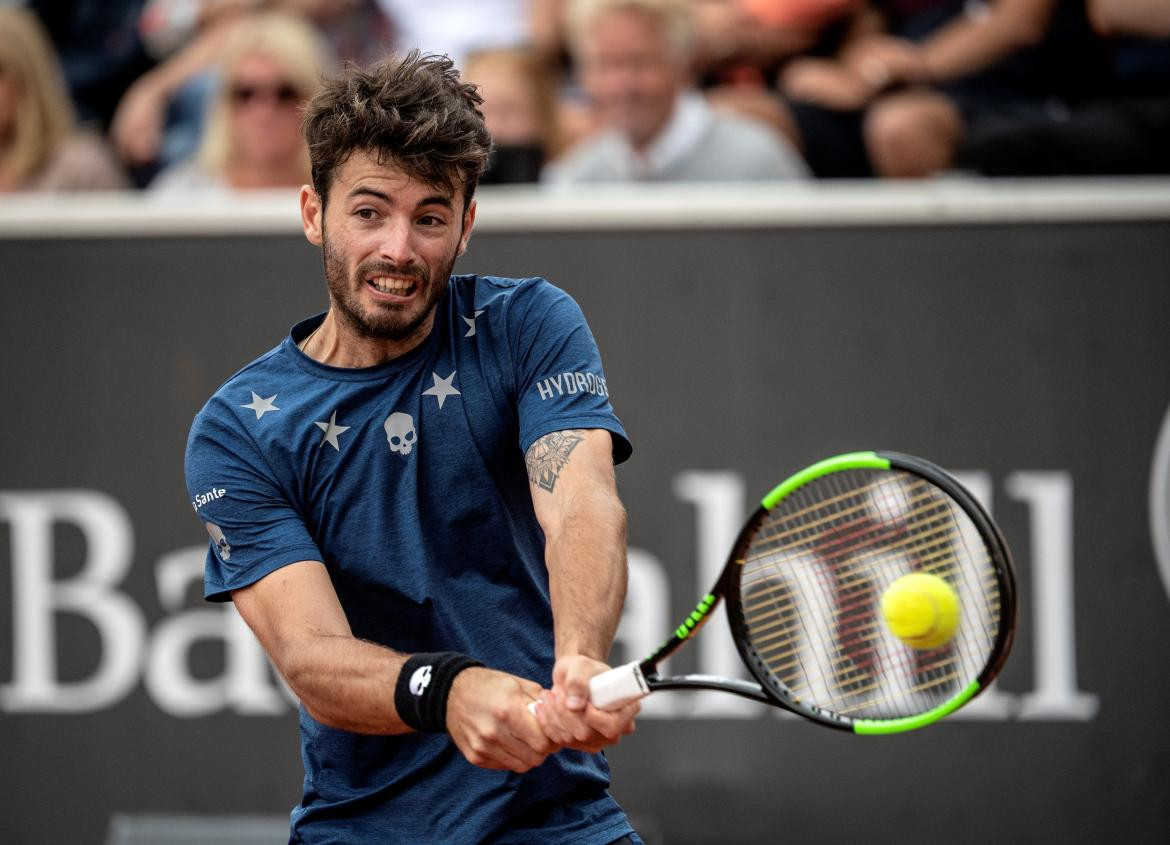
{"x":311,"y":214}
{"x":468,"y":224}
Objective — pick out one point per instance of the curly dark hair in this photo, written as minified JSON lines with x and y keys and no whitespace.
{"x":415,"y":112}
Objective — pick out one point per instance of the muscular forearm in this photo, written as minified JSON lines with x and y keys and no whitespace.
{"x":587,"y":573}
{"x":352,"y":685}
{"x":576,"y":501}
{"x":344,"y":682}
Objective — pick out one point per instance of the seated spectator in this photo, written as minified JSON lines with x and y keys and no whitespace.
{"x":41,"y":148}
{"x":159,"y":121}
{"x":519,"y":101}
{"x":1126,"y":132}
{"x":915,"y":76}
{"x":634,"y":59}
{"x":744,"y":46}
{"x":271,"y":65}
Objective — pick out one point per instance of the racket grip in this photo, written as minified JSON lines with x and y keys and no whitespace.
{"x":618,"y":687}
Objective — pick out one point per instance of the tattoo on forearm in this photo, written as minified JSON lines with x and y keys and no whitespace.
{"x":548,"y":455}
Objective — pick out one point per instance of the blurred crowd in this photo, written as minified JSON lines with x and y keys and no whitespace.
{"x":205,"y":96}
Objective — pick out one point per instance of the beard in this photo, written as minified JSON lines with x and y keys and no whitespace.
{"x":386,"y":321}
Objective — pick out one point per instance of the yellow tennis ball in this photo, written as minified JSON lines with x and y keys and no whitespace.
{"x":921,"y":610}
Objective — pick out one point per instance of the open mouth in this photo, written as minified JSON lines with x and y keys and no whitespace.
{"x":393,"y":286}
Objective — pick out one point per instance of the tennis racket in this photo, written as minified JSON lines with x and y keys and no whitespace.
{"x":802,"y":588}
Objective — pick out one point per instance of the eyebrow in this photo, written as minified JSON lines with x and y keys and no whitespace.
{"x":433,"y":199}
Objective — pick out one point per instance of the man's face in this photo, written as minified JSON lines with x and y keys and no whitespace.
{"x":631,"y":72}
{"x":389,"y":244}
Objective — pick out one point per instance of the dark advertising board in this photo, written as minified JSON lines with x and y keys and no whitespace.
{"x":1031,"y":358}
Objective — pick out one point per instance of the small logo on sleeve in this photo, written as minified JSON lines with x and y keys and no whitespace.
{"x":210,"y":496}
{"x":222,"y":547}
{"x":569,"y":383}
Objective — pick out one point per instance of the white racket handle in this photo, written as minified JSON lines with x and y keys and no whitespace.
{"x":618,"y":687}
{"x":613,"y":689}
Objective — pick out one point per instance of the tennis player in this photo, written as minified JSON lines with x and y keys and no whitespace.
{"x":411,"y":500}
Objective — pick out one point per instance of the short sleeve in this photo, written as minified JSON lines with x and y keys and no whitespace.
{"x":254,"y":528}
{"x":559,"y":378}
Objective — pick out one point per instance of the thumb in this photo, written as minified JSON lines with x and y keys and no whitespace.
{"x":574,"y":680}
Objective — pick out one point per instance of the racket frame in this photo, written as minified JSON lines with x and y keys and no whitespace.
{"x":764,"y":689}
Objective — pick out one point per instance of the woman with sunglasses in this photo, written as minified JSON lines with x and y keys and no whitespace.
{"x":252,"y":140}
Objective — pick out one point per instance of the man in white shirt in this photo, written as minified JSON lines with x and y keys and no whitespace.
{"x":634,"y":61}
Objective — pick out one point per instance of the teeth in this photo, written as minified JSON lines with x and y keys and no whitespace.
{"x":388,"y":285}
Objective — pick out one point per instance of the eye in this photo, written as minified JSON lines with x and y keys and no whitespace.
{"x":366,"y":213}
{"x":430,"y":220}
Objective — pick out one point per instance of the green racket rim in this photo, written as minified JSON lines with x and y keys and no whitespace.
{"x":882,"y":727}
{"x":850,"y":460}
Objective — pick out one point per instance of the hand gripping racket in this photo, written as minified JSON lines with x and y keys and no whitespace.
{"x":802,"y":587}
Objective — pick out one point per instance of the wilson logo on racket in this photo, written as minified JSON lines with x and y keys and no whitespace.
{"x":695,"y":620}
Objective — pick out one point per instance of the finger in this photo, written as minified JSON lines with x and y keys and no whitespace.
{"x":566,"y":727}
{"x":481,"y":748}
{"x":549,"y":719}
{"x":530,"y":753}
{"x":504,"y":743}
{"x":536,"y":731}
{"x":575,"y":684}
{"x":613,"y":724}
{"x":572,"y":719}
{"x":498,"y":758}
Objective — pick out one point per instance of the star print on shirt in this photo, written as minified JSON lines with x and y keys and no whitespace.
{"x":442,"y":388}
{"x":471,"y":323}
{"x":261,"y":406}
{"x":332,"y":430}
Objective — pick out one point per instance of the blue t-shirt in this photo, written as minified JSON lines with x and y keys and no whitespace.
{"x":407,"y":480}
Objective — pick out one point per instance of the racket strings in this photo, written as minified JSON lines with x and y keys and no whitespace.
{"x":851,"y":678}
{"x":813,"y":575}
{"x":856,"y":674}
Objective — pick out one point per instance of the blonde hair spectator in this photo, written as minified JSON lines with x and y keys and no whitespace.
{"x":272,"y":64}
{"x":290,"y":42}
{"x":40,"y":148}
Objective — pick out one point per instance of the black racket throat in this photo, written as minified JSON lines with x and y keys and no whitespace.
{"x":735,"y":686}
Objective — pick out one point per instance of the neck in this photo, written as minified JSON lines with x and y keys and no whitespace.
{"x":641,"y":142}
{"x":339,"y":345}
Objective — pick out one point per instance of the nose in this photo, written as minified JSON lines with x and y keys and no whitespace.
{"x":396,"y":244}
